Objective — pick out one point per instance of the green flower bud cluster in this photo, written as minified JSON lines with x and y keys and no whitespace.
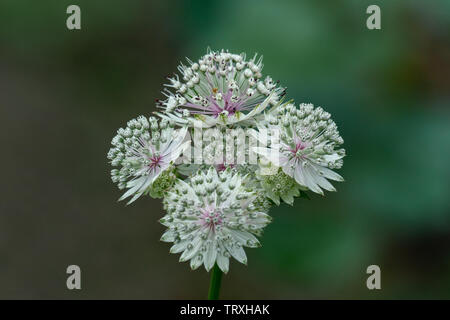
{"x":279,"y":187}
{"x":162,"y":184}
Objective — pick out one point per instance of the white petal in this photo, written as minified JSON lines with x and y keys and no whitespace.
{"x":310,"y":181}
{"x":239,"y":255}
{"x":210,"y":256}
{"x":196,"y":261}
{"x":259,"y":108}
{"x":237,"y":252}
{"x":175,"y":154}
{"x":188,"y":254}
{"x":327,"y":173}
{"x":168,"y":236}
{"x":321,"y":181}
{"x":332,"y":157}
{"x":177,"y":139}
{"x":223,"y":263}
{"x":180,"y":246}
{"x":245,"y":237}
{"x":298,"y":175}
{"x":133,"y":186}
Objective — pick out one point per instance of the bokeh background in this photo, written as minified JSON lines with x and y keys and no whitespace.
{"x":63,"y":94}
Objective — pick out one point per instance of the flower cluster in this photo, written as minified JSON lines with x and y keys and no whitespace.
{"x":215,"y":206}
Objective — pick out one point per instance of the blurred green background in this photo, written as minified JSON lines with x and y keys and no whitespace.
{"x":63,"y":94}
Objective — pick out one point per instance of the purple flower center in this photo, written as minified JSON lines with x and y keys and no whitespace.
{"x":155,"y":162}
{"x":213,"y":108}
{"x":299,"y":146}
{"x":222,"y":166}
{"x":210,"y":218}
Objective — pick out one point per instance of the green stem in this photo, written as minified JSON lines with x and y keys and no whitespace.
{"x":214,"y":286}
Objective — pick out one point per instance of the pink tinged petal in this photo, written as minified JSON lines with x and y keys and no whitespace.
{"x":213,"y":106}
{"x":195,"y":106}
{"x":227,"y":96}
{"x":204,"y":113}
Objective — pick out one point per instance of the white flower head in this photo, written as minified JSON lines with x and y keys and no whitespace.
{"x":142,"y":151}
{"x":212,"y":217}
{"x":220,"y":89}
{"x":307,"y":150}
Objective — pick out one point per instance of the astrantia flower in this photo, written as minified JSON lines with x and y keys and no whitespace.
{"x":142,"y":151}
{"x":307,"y":149}
{"x":212,"y":217}
{"x":220,"y":89}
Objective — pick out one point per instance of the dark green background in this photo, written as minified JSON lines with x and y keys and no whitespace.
{"x":63,"y":94}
